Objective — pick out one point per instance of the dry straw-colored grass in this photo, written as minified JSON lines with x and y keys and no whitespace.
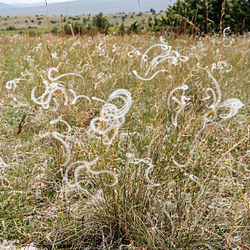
{"x":201,"y":202}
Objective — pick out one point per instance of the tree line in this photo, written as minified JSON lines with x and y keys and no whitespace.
{"x":185,"y":16}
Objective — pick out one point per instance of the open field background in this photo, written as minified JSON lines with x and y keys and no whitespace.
{"x":79,"y":7}
{"x":39,"y":24}
{"x":153,"y":154}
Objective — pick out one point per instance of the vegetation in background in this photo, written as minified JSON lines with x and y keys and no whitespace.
{"x":195,"y":17}
{"x":189,"y":17}
{"x":207,"y":16}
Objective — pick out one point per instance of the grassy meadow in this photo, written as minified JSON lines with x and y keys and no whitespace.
{"x":39,"y":24}
{"x":124,"y":142}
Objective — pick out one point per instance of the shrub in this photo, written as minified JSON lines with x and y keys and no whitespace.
{"x":152,"y":11}
{"x":76,"y":27}
{"x":11,"y":28}
{"x":133,"y":28}
{"x":54,"y":31}
{"x":121,"y":30}
{"x":31,"y":33}
{"x":113,"y":29}
{"x":101,"y":23}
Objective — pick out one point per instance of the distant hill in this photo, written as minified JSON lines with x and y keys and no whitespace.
{"x":20,"y":5}
{"x":27,"y":5}
{"x":4,"y":5}
{"x":80,"y":7}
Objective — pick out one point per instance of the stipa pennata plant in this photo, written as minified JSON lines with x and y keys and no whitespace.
{"x":125,"y":144}
{"x":212,"y":95}
{"x":152,"y":66}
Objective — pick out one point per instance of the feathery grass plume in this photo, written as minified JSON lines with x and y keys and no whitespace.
{"x":172,"y":57}
{"x":111,"y":117}
{"x":51,"y":88}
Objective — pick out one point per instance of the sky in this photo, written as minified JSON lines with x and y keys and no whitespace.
{"x":31,"y":1}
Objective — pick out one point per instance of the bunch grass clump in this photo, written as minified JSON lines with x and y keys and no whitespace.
{"x":124,"y":142}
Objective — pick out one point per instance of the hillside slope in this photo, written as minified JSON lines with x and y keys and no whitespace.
{"x":87,"y":6}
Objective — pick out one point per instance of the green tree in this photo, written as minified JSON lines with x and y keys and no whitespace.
{"x":101,"y":23}
{"x":237,"y":15}
{"x":159,"y":24}
{"x":208,"y":16}
{"x":121,"y":30}
{"x":123,"y":18}
{"x":152,"y":11}
{"x":134,"y":28}
{"x":11,"y":28}
{"x":77,"y":28}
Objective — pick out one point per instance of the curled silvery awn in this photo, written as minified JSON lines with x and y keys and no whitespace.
{"x":225,"y":39}
{"x":221,"y":65}
{"x":167,"y":54}
{"x":233,"y":104}
{"x":114,"y":48}
{"x":125,"y":96}
{"x":28,"y":59}
{"x":216,"y":99}
{"x":101,"y":49}
{"x":147,"y":161}
{"x":50,"y":89}
{"x":45,"y":99}
{"x":214,"y":94}
{"x":64,"y":139}
{"x":134,"y":52}
{"x":182,"y":103}
{"x":85,"y":66}
{"x":97,"y":126}
{"x":79,"y":96}
{"x":54,"y":55}
{"x":53,"y":79}
{"x":150,"y":78}
{"x":38,"y":47}
{"x":3,"y":165}
{"x":111,"y":117}
{"x":85,"y":166}
{"x":12,"y":84}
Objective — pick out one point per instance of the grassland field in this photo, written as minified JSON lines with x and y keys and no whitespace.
{"x":39,"y":23}
{"x":124,"y":142}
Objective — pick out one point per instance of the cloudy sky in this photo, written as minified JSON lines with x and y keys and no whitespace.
{"x":31,"y":1}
